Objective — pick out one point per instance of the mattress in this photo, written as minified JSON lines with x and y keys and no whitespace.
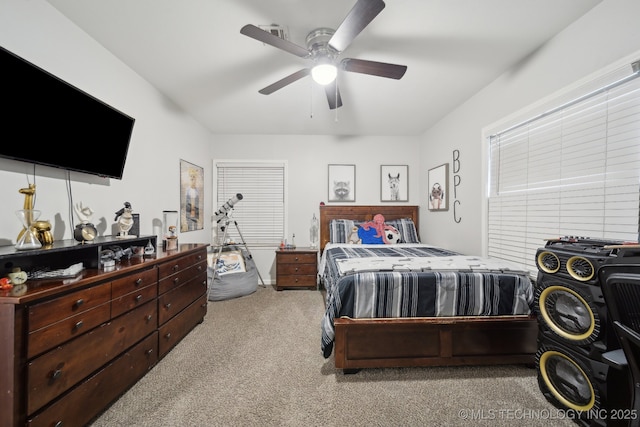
{"x":417,"y":280}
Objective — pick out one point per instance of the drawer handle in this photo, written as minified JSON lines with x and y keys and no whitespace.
{"x":199,"y":257}
{"x":176,"y":280}
{"x":168,"y":305}
{"x":58,"y":424}
{"x":150,"y":351}
{"x":167,"y":336}
{"x":296,"y":258}
{"x":296,"y":269}
{"x":199,"y":268}
{"x":56,"y":374}
{"x":138,"y":282}
{"x":148,"y":317}
{"x":138,"y":298}
{"x":79,"y":324}
{"x":175,"y":267}
{"x":79,"y":302}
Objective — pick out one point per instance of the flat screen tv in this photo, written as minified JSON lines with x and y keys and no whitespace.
{"x":50,"y":122}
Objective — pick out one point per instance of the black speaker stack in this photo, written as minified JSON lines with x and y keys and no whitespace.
{"x":574,"y":330}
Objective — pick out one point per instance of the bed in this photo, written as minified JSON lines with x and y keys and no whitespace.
{"x":369,"y":323}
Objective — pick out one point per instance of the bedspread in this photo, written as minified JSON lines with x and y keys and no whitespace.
{"x":493,"y":290}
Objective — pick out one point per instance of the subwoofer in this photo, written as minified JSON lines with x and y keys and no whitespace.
{"x":571,"y":381}
{"x":573,"y":313}
{"x":576,"y":258}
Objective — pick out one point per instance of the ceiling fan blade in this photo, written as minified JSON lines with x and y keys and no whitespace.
{"x":275,"y":41}
{"x":284,"y":82}
{"x":356,"y":20}
{"x":333,"y":95}
{"x":380,"y":69}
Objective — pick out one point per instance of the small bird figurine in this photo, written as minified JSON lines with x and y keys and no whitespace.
{"x":124,"y":219}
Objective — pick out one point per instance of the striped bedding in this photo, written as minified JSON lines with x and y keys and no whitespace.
{"x":477,"y":287}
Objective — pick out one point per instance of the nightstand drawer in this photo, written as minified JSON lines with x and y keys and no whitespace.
{"x":306,"y":258}
{"x":289,"y":269}
{"x":300,"y":280}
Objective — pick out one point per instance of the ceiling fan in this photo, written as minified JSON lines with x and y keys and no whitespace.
{"x":324,"y":45}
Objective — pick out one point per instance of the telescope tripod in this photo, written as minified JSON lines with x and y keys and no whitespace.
{"x":225,"y":228}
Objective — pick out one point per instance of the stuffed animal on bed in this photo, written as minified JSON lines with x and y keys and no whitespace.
{"x":354,"y":238}
{"x":377,"y":232}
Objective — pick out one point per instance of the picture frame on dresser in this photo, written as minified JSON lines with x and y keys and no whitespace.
{"x":394,"y":183}
{"x":342,"y":183}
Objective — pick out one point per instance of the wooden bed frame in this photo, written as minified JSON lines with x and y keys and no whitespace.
{"x":412,"y":342}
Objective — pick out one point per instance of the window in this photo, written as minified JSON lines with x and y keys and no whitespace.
{"x":573,"y":170}
{"x":259,"y":217}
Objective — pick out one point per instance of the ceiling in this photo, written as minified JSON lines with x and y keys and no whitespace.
{"x":193,"y":52}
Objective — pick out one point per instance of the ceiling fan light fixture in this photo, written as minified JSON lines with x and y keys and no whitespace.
{"x":324,"y":74}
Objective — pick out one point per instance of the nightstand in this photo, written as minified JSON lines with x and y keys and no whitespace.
{"x":296,"y":268}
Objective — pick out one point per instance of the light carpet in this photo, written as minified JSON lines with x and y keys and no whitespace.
{"x":256,"y":361}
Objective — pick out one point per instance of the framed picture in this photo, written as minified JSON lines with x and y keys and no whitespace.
{"x":394,"y":183}
{"x":342,"y":183}
{"x":439,"y":188}
{"x":191,"y":197}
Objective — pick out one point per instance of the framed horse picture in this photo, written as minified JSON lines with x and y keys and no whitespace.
{"x":394,"y":183}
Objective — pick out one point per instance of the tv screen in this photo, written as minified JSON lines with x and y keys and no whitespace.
{"x":50,"y":122}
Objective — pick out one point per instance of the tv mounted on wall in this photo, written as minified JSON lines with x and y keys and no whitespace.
{"x":50,"y":122}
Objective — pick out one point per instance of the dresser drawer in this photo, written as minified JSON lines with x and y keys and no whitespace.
{"x":56,"y":371}
{"x":133,"y":282}
{"x":176,"y":329}
{"x":57,"y":309}
{"x":181,"y":277}
{"x":168,"y":268}
{"x":134,"y":299}
{"x":172,"y":302}
{"x":84,"y":402}
{"x":50,"y":336}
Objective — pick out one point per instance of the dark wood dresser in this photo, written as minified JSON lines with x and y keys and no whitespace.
{"x":70,"y":347}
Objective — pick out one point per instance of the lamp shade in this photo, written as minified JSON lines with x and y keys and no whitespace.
{"x":324,"y":73}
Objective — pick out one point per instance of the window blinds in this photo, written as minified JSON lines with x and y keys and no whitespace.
{"x":571,"y":171}
{"x":260,"y":214}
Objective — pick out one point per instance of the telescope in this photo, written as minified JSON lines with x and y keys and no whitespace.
{"x":228,"y":205}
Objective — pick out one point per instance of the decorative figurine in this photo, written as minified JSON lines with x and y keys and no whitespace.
{"x":39,"y":231}
{"x":124,"y":218}
{"x":27,"y":218}
{"x":171,"y":242}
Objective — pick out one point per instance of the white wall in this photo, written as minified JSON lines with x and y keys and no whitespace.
{"x":308,"y":158}
{"x":603,"y":36}
{"x":162,"y":134}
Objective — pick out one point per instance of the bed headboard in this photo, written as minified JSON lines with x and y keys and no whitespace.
{"x":362,"y":213}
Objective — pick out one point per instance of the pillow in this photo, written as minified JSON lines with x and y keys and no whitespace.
{"x":341,"y":229}
{"x":345,"y":230}
{"x":407,"y":229}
